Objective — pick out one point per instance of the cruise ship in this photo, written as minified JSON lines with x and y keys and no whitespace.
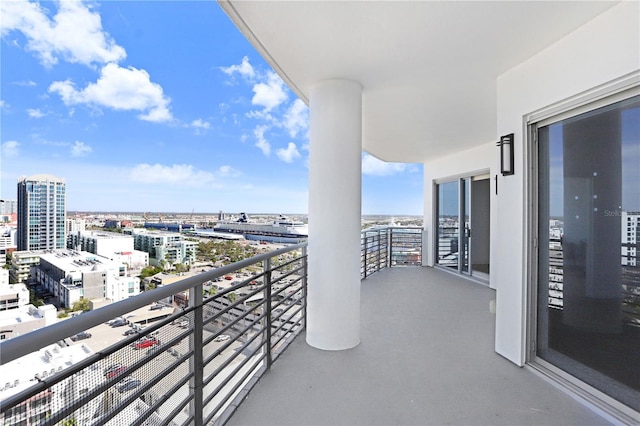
{"x":282,"y":230}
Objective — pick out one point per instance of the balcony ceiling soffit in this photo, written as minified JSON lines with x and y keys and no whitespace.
{"x":428,"y":68}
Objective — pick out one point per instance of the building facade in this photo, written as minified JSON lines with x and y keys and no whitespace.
{"x":12,"y":296}
{"x":8,"y":242}
{"x":165,"y":247}
{"x":42,"y":209}
{"x":8,"y":207}
{"x":22,"y":263}
{"x":75,"y":225}
{"x":71,"y":275}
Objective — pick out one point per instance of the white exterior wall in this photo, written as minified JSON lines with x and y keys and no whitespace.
{"x":108,"y":246}
{"x":118,"y":288}
{"x":602,"y":50}
{"x":476,"y":161}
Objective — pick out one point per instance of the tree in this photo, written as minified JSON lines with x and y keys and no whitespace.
{"x":232,"y":297}
{"x":34,"y":300}
{"x":81,"y":305}
{"x":149,"y":271}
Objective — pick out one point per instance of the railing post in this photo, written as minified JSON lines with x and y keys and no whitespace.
{"x":267,"y":316}
{"x":365,"y":253}
{"x":304,"y":285}
{"x":389,"y":247}
{"x":196,"y":362}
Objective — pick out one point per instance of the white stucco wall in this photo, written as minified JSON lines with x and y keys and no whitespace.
{"x":602,"y":50}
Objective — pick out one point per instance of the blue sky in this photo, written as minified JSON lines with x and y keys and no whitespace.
{"x":160,"y":106}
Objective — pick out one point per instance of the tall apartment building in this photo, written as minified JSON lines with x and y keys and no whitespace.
{"x":8,"y":207}
{"x":42,"y":207}
{"x":630,"y":238}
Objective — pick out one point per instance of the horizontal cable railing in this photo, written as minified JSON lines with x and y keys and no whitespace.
{"x":190,"y":366}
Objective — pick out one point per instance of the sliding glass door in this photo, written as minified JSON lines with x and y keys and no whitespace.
{"x":455,"y":245}
{"x":588,"y":310}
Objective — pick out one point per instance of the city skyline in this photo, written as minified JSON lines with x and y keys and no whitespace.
{"x":164,"y":106}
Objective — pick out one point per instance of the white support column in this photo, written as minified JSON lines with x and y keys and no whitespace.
{"x":335,"y":164}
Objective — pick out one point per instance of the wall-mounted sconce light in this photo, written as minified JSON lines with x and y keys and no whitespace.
{"x":506,"y":154}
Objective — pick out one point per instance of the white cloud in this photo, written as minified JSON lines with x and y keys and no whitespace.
{"x":244,"y":69}
{"x":120,"y":89}
{"x":289,"y":154}
{"x":10,"y":149}
{"x":270,"y":93}
{"x":374,"y":167}
{"x":3,"y":104}
{"x":228,"y":171}
{"x":35,"y":113}
{"x":296,"y":119}
{"x":261,"y":115}
{"x":262,"y":142}
{"x":80,"y":149}
{"x":28,"y":83}
{"x":200,"y":124}
{"x":74,"y":33}
{"x":177,"y":174}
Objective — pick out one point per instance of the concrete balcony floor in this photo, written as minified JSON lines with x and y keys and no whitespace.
{"x":426,"y":357}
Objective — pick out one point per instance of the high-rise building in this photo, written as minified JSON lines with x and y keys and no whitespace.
{"x":42,"y":209}
{"x":8,"y":207}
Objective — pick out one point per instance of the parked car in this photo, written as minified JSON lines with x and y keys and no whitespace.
{"x":117,"y":319}
{"x":114,"y":370}
{"x":80,"y":336}
{"x":222,"y":338}
{"x":145,"y":342}
{"x":128,"y":384}
{"x":129,"y":332}
{"x":183,"y":324}
{"x":156,"y":306}
{"x":228,"y":277}
{"x":118,"y":323}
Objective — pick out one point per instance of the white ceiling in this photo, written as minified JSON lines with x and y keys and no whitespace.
{"x":428,"y":68}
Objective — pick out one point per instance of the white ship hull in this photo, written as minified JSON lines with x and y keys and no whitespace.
{"x":289,"y":232}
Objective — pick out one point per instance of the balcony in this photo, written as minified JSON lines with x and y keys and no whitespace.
{"x":426,"y":354}
{"x":426,"y":357}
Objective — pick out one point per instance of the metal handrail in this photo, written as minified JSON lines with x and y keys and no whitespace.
{"x":19,"y":346}
{"x":234,"y":376}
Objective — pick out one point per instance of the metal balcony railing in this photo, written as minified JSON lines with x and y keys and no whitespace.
{"x":194,"y":348}
{"x":190,"y":366}
{"x":389,"y":246}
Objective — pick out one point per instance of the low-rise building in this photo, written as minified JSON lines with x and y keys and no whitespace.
{"x":165,"y":247}
{"x":8,"y":241}
{"x":24,"y":319}
{"x":118,"y":248}
{"x":22,"y":373}
{"x":12,"y":296}
{"x":73,"y":275}
{"x":22,"y":263}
